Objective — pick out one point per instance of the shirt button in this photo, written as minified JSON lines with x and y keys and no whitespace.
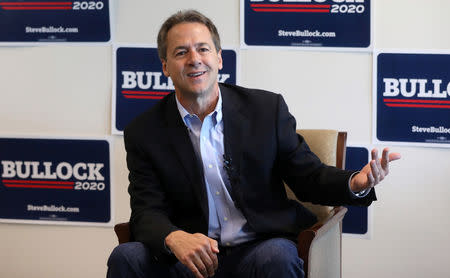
{"x":227,"y":244}
{"x":217,"y":193}
{"x":210,"y":166}
{"x":225,"y":218}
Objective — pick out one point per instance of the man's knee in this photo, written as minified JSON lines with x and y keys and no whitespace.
{"x":128,"y":253}
{"x":280,"y":256}
{"x":131,"y":259}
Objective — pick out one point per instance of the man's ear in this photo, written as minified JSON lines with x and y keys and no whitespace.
{"x":219,"y":55}
{"x":164,"y":68}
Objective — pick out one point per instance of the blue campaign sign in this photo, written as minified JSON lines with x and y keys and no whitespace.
{"x":306,"y":23}
{"x":140,"y":82}
{"x":54,"y":21}
{"x":412,"y":97}
{"x":356,"y":220}
{"x":55,"y":180}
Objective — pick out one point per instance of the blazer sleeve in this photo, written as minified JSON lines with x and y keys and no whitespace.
{"x":305,"y":174}
{"x":149,"y":222}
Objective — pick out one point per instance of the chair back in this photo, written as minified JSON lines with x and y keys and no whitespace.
{"x":330,"y":147}
{"x":123,"y":233}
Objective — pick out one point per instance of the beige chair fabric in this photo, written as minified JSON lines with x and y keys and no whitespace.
{"x":323,"y":143}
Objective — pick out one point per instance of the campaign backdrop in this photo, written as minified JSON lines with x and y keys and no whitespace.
{"x":54,"y":21}
{"x":139,"y":82}
{"x":325,"y":23}
{"x":412,"y":98}
{"x":357,"y":219}
{"x":63,"y":181}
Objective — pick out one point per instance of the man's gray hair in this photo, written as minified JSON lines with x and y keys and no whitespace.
{"x":186,"y":16}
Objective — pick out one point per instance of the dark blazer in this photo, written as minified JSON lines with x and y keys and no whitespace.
{"x":167,"y":186}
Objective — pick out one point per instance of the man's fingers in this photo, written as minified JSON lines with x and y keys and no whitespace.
{"x":394,"y":156}
{"x":214,"y":260}
{"x":204,"y":264}
{"x":382,"y":172}
{"x":370,"y":179}
{"x":200,"y":265}
{"x":214,"y":245}
{"x":374,"y":154}
{"x":375,"y":172}
{"x":213,"y":251}
{"x":195,"y":270}
{"x":375,"y":167}
{"x":208,"y":259}
{"x":210,"y":269}
{"x":385,"y":159}
{"x":378,"y":168}
{"x":203,"y":258}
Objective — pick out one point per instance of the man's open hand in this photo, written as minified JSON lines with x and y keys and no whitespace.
{"x":374,"y":172}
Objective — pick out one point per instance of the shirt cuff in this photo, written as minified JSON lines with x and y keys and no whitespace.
{"x":360,"y":194}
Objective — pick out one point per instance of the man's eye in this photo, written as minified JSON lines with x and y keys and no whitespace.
{"x":180,"y":53}
{"x":204,"y":49}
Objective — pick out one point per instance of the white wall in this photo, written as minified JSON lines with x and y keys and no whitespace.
{"x":66,"y":90}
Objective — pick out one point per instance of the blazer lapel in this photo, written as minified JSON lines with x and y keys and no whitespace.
{"x":235,"y":124}
{"x":181,"y":143}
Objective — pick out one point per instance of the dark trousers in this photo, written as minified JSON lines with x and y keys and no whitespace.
{"x":275,"y":257}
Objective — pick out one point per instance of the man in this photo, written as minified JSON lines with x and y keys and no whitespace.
{"x":207,"y":165}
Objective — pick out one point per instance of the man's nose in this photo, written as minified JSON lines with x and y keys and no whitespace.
{"x":194,"y":58}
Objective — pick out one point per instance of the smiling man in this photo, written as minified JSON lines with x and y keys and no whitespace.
{"x":193,"y":61}
{"x":207,"y":166}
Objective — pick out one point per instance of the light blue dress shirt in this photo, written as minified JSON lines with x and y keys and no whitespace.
{"x":226,"y":223}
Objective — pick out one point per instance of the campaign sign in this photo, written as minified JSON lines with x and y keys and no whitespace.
{"x":63,"y":181}
{"x":412,"y":98}
{"x":140,"y":82}
{"x":356,"y":220}
{"x":54,"y":21}
{"x":306,"y":23}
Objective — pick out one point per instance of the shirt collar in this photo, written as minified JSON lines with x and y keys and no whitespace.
{"x":216,"y":114}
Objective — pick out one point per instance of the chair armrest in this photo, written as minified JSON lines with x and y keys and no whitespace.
{"x":307,"y":237}
{"x":123,"y":232}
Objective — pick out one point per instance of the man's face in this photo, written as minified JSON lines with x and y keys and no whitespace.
{"x":192,"y":60}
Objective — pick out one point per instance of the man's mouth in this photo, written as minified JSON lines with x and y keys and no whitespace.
{"x":196,"y":74}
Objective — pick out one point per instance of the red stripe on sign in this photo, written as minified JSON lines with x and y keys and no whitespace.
{"x":145,"y":92}
{"x":289,"y":6}
{"x":416,"y":100}
{"x":38,"y":8}
{"x":38,"y":182}
{"x":34,"y":3}
{"x":39,"y":186}
{"x":417,"y":105}
{"x":144,"y":97}
{"x":293,"y":10}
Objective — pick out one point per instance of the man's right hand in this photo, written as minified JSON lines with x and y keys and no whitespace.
{"x":196,"y":251}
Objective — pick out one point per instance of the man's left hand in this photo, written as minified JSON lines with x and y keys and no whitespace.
{"x":374,"y":172}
